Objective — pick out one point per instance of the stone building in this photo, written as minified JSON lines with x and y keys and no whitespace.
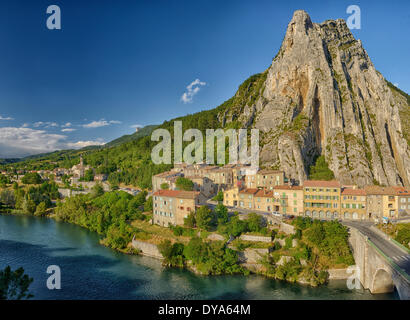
{"x":353,"y":204}
{"x":403,"y":195}
{"x":170,"y":207}
{"x":79,"y":170}
{"x":265,"y":179}
{"x":168,"y":177}
{"x":203,"y":185}
{"x":322,"y":199}
{"x":289,"y":198}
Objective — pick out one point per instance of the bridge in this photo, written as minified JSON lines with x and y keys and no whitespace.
{"x":383,"y":265}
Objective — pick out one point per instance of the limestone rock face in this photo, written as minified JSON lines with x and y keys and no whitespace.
{"x":323,"y":96}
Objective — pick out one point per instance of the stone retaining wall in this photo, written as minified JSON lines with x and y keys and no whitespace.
{"x":338,"y":274}
{"x":248,"y":237}
{"x":287,"y":228}
{"x":147,"y":249}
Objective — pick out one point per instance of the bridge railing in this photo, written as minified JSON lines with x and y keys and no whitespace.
{"x":392,"y":263}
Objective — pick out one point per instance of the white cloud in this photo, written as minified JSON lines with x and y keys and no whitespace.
{"x":192,"y":89}
{"x":25,"y":125}
{"x":396,"y":85}
{"x":5,"y":118}
{"x":46,"y":124}
{"x":68,"y":130}
{"x":82,"y":144}
{"x":136,"y":126}
{"x":100,"y":123}
{"x":20,"y":142}
{"x":68,"y":124}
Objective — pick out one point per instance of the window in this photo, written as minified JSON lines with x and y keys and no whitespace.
{"x":307,"y":189}
{"x":403,"y":200}
{"x":294,"y":195}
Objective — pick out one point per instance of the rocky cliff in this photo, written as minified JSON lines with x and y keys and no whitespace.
{"x":323,"y":96}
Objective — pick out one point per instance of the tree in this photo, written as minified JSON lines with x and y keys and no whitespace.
{"x":148,"y":205}
{"x":14,"y":285}
{"x":184,"y":184}
{"x":97,"y":190}
{"x":4,"y":180}
{"x":190,"y":221}
{"x":29,"y":206}
{"x":41,"y":209}
{"x":221,"y":213}
{"x":164,"y":186}
{"x":316,"y":233}
{"x":255,"y":222}
{"x":7,"y":198}
{"x":321,"y":171}
{"x":236,"y":226}
{"x":88,"y":175}
{"x":31,"y":178}
{"x":219,"y":197}
{"x":204,"y":217}
{"x":172,"y":253}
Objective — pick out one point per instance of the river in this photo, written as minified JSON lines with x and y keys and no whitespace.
{"x":91,"y":271}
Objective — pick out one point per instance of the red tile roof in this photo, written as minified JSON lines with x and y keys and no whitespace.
{"x":401,"y":191}
{"x":376,"y":190}
{"x":353,"y":192}
{"x":177,"y":194}
{"x":264,"y":193}
{"x":286,"y":187}
{"x":324,"y":184}
{"x":249,"y":191}
{"x":269,"y":171}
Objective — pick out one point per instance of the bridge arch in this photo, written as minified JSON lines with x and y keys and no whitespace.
{"x":382,"y":282}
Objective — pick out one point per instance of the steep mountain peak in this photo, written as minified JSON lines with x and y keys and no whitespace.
{"x":323,"y":96}
{"x":300,"y":22}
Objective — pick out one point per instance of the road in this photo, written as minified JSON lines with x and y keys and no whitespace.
{"x":394,"y":252}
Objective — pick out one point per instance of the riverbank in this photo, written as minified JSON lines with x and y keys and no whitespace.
{"x":92,"y":271}
{"x":251,"y":265}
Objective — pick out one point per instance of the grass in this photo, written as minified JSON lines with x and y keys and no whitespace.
{"x":153,"y":233}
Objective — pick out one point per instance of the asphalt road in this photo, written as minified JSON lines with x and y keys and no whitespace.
{"x":394,"y":252}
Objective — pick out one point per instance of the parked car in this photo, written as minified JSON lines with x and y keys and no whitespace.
{"x":276,"y":214}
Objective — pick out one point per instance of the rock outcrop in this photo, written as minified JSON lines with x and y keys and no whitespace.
{"x":323,"y":96}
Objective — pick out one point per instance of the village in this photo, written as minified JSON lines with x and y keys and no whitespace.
{"x":80,"y":179}
{"x":243,"y":189}
{"x":271,"y":193}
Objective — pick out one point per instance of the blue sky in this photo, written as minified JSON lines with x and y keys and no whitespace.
{"x":116,"y":64}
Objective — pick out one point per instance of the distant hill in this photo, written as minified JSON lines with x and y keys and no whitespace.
{"x":142,"y":132}
{"x":60,"y":155}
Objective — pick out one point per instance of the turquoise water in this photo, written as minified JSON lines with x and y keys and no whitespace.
{"x":91,"y":271}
